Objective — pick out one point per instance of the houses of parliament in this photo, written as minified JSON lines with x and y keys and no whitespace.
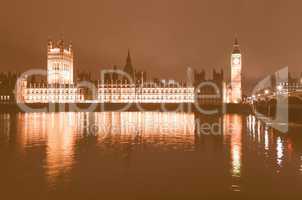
{"x":60,"y":84}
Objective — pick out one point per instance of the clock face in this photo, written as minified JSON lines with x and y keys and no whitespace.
{"x":236,"y":61}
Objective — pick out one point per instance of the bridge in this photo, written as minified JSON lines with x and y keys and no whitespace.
{"x":269,"y":103}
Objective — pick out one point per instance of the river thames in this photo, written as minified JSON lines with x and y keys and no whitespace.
{"x":146,"y":155}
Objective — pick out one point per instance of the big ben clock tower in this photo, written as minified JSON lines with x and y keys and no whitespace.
{"x":236,"y":66}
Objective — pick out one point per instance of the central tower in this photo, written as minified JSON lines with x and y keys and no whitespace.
{"x":236,"y":67}
{"x":59,"y":63}
{"x":128,"y":67}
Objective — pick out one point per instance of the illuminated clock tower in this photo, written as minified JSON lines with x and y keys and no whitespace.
{"x":236,"y":67}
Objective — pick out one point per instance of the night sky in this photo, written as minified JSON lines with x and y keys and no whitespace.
{"x":164,"y":36}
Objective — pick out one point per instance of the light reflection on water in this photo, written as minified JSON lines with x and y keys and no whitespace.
{"x":266,"y":138}
{"x":61,"y":148}
{"x":4,"y":126}
{"x":60,"y":131}
{"x":233,"y":129}
{"x":279,"y":149}
{"x":301,"y":164}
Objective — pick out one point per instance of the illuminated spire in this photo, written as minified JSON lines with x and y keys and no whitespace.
{"x":236,"y":41}
{"x":236,"y":46}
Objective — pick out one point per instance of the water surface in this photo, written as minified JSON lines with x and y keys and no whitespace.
{"x":146,"y":155}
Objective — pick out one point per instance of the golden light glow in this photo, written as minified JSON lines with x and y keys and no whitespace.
{"x":59,"y":64}
{"x":59,"y":132}
{"x":60,"y":87}
{"x":266,"y":139}
{"x":236,"y":90}
{"x":127,"y":93}
{"x":148,"y":126}
{"x":301,"y":164}
{"x":279,"y":149}
{"x":233,"y":129}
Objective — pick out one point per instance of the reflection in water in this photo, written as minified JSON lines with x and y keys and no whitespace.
{"x":156,"y":149}
{"x":301,"y":164}
{"x":279,"y":150}
{"x":60,"y":144}
{"x":59,"y":132}
{"x":4,"y":127}
{"x":277,"y":147}
{"x":233,"y":129}
{"x":56,"y":132}
{"x":266,"y":138}
{"x":167,"y":129}
{"x":148,"y":123}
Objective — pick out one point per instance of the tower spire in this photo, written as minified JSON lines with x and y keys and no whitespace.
{"x":236,"y":46}
{"x":236,"y":41}
{"x":128,"y":67}
{"x":129,"y":58}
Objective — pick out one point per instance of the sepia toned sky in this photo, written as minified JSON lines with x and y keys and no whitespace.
{"x":164,"y":36}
